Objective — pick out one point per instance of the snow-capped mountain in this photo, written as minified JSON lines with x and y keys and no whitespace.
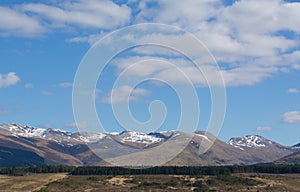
{"x":55,"y":146}
{"x":250,"y":141}
{"x":70,"y":138}
{"x":297,"y":146}
{"x":24,"y":131}
{"x":136,"y":137}
{"x":56,"y":135}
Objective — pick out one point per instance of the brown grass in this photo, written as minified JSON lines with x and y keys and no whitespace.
{"x":93,"y":183}
{"x":32,"y":182}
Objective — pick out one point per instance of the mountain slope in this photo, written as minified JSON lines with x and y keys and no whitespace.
{"x":10,"y":157}
{"x":297,"y":146}
{"x":55,"y":149}
{"x":289,"y":159}
{"x":54,"y":146}
{"x":261,"y":148}
{"x":292,"y":158}
{"x":242,"y":150}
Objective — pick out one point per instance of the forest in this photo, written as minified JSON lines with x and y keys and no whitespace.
{"x":160,"y":170}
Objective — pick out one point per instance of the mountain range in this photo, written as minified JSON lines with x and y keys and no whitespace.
{"x":22,"y":145}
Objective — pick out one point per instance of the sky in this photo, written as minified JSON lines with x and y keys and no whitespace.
{"x":255,"y":44}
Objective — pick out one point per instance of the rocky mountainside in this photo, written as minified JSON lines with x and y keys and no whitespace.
{"x":237,"y":151}
{"x":292,"y":158}
{"x":297,"y":146}
{"x":35,"y":146}
{"x":289,"y":159}
{"x":261,"y":147}
{"x":251,"y":141}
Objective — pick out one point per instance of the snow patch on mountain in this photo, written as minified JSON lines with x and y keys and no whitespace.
{"x":56,"y":135}
{"x":25,"y":131}
{"x":136,"y":137}
{"x":204,"y":137}
{"x":92,"y":138}
{"x":297,"y":146}
{"x":113,"y":133}
{"x":251,"y":141}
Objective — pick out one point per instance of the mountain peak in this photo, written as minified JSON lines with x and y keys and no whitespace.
{"x":57,"y":145}
{"x":21,"y":130}
{"x":250,"y":141}
{"x":137,"y":137}
{"x":297,"y":146}
{"x":56,"y":135}
{"x":62,"y":136}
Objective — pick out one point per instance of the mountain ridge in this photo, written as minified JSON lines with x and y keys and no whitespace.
{"x":57,"y":146}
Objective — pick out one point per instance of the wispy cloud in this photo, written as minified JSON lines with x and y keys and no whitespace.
{"x":65,"y":85}
{"x":256,"y":46}
{"x":125,"y":94}
{"x":5,"y":112}
{"x":17,"y":23}
{"x":9,"y":79}
{"x":94,"y":93}
{"x":91,"y":39}
{"x":28,"y":86}
{"x":183,"y":68}
{"x":35,"y":19}
{"x":90,"y":13}
{"x":76,"y":125}
{"x":292,"y":90}
{"x":47,"y":93}
{"x":263,"y":128}
{"x":291,"y":117}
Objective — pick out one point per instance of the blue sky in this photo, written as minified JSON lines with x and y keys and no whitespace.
{"x":256,"y":44}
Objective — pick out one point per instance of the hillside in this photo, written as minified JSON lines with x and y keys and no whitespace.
{"x":25,"y":145}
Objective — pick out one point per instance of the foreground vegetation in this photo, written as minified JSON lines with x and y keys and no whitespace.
{"x":94,"y":183}
{"x":263,"y":177}
{"x":30,"y":182}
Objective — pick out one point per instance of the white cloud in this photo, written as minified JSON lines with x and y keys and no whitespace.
{"x":91,"y":39}
{"x":242,"y":17}
{"x":246,"y":37}
{"x":28,"y":86}
{"x":157,"y":67}
{"x":245,"y":59}
{"x":184,"y":14}
{"x":65,"y":85}
{"x":152,"y":66}
{"x":247,"y":75}
{"x":76,"y":125}
{"x":47,"y":93}
{"x":291,"y":117}
{"x":35,"y":19}
{"x":14,"y":22}
{"x":94,"y":93}
{"x":292,"y":90}
{"x":9,"y":79}
{"x":249,"y":50}
{"x":125,"y":94}
{"x":89,"y":13}
{"x":263,"y":129}
{"x":261,"y":17}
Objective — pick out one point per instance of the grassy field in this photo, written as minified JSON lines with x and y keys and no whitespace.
{"x":32,"y":182}
{"x":66,"y":183}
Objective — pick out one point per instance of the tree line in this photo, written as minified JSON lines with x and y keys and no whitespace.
{"x":167,"y":170}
